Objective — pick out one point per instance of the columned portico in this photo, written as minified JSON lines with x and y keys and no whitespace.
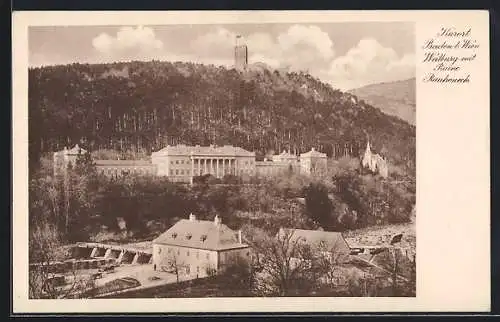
{"x":218,"y":167}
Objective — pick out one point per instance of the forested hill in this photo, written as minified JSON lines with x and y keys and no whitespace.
{"x":143,"y":106}
{"x":393,"y":98}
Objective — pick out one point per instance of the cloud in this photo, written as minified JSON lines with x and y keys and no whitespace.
{"x":216,"y":43}
{"x":298,"y":48}
{"x":129,"y":43}
{"x":306,"y":38}
{"x":370,"y":62}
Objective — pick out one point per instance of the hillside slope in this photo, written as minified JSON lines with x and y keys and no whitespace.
{"x":393,"y":98}
{"x":143,"y":106}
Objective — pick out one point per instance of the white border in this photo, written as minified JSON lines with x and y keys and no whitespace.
{"x":453,"y":196}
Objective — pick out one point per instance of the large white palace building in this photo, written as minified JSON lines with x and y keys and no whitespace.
{"x":181,"y":163}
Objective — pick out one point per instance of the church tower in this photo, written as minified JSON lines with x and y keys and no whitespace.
{"x":367,"y":158}
{"x":240,"y":54}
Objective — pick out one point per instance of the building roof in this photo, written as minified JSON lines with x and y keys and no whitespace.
{"x":200,"y":234}
{"x":286,"y":154}
{"x":226,"y":150}
{"x":73,"y":151}
{"x":313,"y":154}
{"x":331,"y":239}
{"x":129,"y":163}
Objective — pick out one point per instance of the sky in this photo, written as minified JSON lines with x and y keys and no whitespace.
{"x":345,"y":55}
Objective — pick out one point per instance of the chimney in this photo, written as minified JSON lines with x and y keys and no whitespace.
{"x":192,"y":217}
{"x":217,"y":220}
{"x":240,"y":240}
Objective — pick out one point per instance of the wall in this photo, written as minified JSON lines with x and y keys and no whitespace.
{"x":119,"y":170}
{"x":198,"y":260}
{"x":230,"y":256}
{"x":179,"y":168}
{"x":161,"y":164}
{"x":245,"y":166}
{"x":62,"y":161}
{"x":271,"y":168}
{"x":313,"y":165}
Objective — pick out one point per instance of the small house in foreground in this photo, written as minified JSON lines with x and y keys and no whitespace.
{"x":198,"y":247}
{"x":330,"y":243}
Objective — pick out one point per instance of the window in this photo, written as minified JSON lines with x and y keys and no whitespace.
{"x":203,"y":238}
{"x":182,"y":161}
{"x":188,"y":236}
{"x":197,"y":255}
{"x":169,"y":250}
{"x":171,"y":162}
{"x":176,"y":172}
{"x":159,"y":250}
{"x":178,"y":252}
{"x":208,"y":255}
{"x":176,"y":161}
{"x":187,"y":253}
{"x":182,"y":172}
{"x":174,"y":235}
{"x":248,"y":254}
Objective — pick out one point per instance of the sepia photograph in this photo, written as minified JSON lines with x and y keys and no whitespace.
{"x":222,"y":160}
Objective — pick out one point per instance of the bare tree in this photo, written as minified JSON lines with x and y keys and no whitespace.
{"x":285,"y":265}
{"x":328,"y":260}
{"x":44,"y":279}
{"x":173,"y":265}
{"x":363,"y":284}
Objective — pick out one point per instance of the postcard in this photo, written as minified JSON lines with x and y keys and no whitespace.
{"x":251,"y":161}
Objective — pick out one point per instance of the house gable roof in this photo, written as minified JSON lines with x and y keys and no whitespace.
{"x":225,"y":150}
{"x":332,"y":240}
{"x":76,"y":150}
{"x":313,"y":154}
{"x":200,"y":234}
{"x":141,"y":163}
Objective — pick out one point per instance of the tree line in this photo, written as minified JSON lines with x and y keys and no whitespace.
{"x":147,"y":105}
{"x":83,"y":203}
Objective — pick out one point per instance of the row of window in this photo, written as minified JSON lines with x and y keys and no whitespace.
{"x":230,"y":255}
{"x":189,"y":162}
{"x":124,"y":171}
{"x":180,"y":161}
{"x":182,"y":172}
{"x":188,"y":253}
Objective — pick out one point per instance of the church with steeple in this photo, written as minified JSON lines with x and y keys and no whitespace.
{"x":374,"y":162}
